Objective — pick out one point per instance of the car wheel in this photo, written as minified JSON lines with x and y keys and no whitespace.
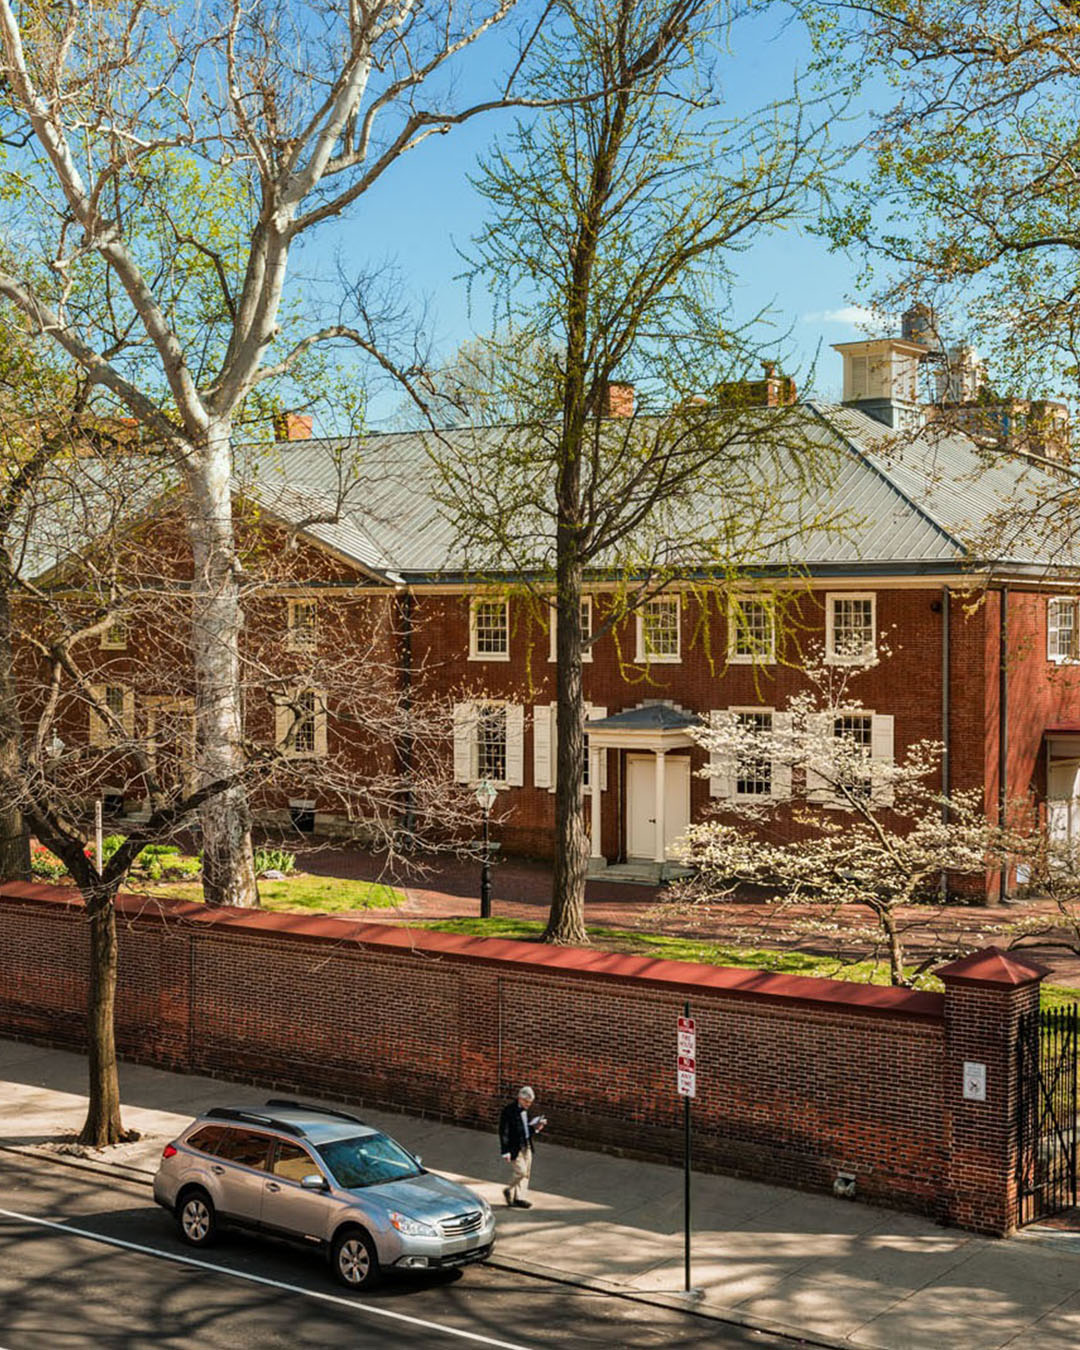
{"x":353,"y":1257}
{"x":196,"y":1217}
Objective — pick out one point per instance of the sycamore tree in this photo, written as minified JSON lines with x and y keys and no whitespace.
{"x":815,"y":806}
{"x":162,"y":164}
{"x":616,"y":222}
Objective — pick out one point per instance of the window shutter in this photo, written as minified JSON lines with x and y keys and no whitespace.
{"x":320,"y":722}
{"x":594,"y":713}
{"x":881,"y":752}
{"x":781,"y":769}
{"x":721,"y":763}
{"x":284,"y":717}
{"x":515,"y":745}
{"x":543,"y":740}
{"x":818,"y":727}
{"x":464,"y":737}
{"x":127,"y":717}
{"x":97,"y":729}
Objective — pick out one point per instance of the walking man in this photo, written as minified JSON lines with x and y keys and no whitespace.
{"x":516,"y":1132}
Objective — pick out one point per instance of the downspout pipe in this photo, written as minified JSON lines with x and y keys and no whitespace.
{"x":1003,"y":726}
{"x":946,"y":767}
{"x":406,"y":750}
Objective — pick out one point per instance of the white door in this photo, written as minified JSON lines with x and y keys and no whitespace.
{"x":641,"y":803}
{"x":1063,"y":799}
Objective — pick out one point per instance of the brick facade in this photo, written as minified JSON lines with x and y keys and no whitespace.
{"x":799,"y":1079}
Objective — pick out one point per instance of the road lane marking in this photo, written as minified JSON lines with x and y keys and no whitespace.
{"x":262,"y":1279}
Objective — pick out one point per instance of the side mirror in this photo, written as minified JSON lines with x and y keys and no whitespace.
{"x":313,"y":1182}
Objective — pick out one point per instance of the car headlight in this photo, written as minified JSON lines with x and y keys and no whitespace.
{"x":485,"y":1208}
{"x":411,"y":1227}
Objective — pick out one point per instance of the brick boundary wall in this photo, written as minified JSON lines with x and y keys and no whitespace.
{"x":798,"y":1078}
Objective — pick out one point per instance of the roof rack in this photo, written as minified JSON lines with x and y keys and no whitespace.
{"x":317,"y":1110}
{"x":253,"y":1118}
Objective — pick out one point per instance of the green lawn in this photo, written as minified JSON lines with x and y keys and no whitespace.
{"x":304,"y":893}
{"x":713,"y":954}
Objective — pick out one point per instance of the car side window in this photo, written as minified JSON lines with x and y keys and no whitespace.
{"x":245,"y":1147}
{"x":207,"y":1139}
{"x":292,"y":1162}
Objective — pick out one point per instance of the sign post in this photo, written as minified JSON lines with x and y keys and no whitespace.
{"x":686,"y":1077}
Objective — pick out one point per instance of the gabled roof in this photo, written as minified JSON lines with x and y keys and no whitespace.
{"x":910,"y":504}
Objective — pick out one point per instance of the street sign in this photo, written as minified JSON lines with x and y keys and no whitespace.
{"x":686,"y":1059}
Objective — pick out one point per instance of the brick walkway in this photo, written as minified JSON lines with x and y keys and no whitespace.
{"x":445,"y":887}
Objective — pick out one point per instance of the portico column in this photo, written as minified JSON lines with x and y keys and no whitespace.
{"x":594,"y":790}
{"x":658,"y":851}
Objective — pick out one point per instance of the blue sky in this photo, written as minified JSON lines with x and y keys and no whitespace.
{"x":425,"y":208}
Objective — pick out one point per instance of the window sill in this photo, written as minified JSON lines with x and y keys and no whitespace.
{"x":763,"y":660}
{"x":642,"y":660}
{"x":489,"y":656}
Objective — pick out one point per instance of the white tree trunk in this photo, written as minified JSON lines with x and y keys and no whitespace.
{"x":228,"y":860}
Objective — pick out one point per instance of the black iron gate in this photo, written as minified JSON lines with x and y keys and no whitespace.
{"x":1046,"y":1113}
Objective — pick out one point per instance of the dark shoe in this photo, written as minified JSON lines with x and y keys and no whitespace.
{"x":506,"y":1195}
{"x":521,"y":1204}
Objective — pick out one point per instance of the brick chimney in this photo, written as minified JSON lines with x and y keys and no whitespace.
{"x":773,"y":390}
{"x":292,"y":426}
{"x":618,"y":400}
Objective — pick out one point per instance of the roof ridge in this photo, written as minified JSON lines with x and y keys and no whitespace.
{"x":863,"y":457}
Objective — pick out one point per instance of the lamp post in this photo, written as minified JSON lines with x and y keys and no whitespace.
{"x":485,"y":797}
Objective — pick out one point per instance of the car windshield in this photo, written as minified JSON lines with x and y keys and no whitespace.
{"x":368,"y":1160}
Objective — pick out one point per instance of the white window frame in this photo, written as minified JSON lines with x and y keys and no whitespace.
{"x":647,"y":658}
{"x":767,"y":656}
{"x":474,"y":604}
{"x":101,"y":729}
{"x":882,"y":751}
{"x":832,"y":657}
{"x":286,"y":723}
{"x":467,"y":742}
{"x":115,"y":637}
{"x":303,"y":638}
{"x":724,"y":769}
{"x":586,"y":628}
{"x":1053,"y":628}
{"x":545,"y":746}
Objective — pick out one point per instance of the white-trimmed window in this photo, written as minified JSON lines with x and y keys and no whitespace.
{"x":748,"y":776}
{"x":115,"y":637}
{"x":1061,"y":629}
{"x":658,"y":630}
{"x":489,"y":742}
{"x":119,"y":703}
{"x":868,"y":748}
{"x":751,"y":632}
{"x":489,"y":630}
{"x":300,"y":722}
{"x":303,"y":625}
{"x":545,"y":746}
{"x":850,"y":627}
{"x":586,"y":629}
{"x":754,"y":773}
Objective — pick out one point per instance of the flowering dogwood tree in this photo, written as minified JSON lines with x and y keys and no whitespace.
{"x":871,"y":828}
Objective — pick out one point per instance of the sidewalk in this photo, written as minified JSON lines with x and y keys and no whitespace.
{"x":834,"y":1272}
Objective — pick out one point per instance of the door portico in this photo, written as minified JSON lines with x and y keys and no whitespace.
{"x":657,"y":783}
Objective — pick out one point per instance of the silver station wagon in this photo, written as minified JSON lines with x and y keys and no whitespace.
{"x":322,"y":1179}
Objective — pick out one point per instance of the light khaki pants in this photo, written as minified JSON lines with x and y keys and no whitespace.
{"x":520,"y":1167}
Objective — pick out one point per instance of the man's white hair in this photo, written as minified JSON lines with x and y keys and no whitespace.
{"x":527,"y":1093}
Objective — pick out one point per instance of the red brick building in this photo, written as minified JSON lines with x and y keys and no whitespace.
{"x":983,"y":639}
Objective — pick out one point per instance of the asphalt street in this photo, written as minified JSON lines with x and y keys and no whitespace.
{"x":89,"y":1261}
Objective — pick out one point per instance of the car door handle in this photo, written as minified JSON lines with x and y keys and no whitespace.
{"x":272,"y":1186}
{"x":220,"y":1171}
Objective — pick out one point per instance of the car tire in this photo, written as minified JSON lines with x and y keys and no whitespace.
{"x":196,"y":1218}
{"x":353,"y":1259}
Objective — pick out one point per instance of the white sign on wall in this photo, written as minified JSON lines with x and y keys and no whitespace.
{"x":974,"y":1082}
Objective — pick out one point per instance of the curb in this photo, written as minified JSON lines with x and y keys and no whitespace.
{"x":673,"y":1302}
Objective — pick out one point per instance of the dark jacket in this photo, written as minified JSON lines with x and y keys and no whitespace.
{"x":512,"y":1138}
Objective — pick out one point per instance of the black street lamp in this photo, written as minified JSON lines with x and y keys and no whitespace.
{"x":485,"y":797}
